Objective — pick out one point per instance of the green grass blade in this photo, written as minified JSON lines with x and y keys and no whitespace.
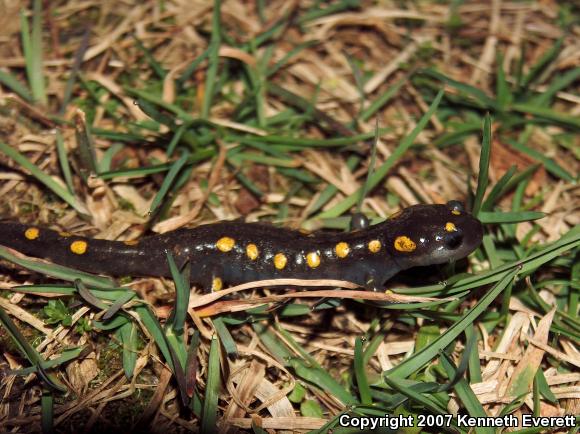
{"x":478,"y":96}
{"x":15,"y":86}
{"x":466,"y":396}
{"x":57,"y":271}
{"x":213,"y":59}
{"x":497,"y":189}
{"x":154,"y":328}
{"x":129,"y":339}
{"x":547,"y":114}
{"x":360,"y":373}
{"x":509,"y":217}
{"x":210,"y":401}
{"x":557,"y":84}
{"x":29,"y":352}
{"x":550,"y":165}
{"x":47,"y":412}
{"x":419,"y":359}
{"x":43,"y":178}
{"x":382,"y":100}
{"x":483,"y":178}
{"x":168,"y":181}
{"x":181,"y":280}
{"x":226,"y":339}
{"x":32,"y":48}
{"x":382,"y":171}
{"x":548,"y":57}
{"x":502,"y":89}
{"x":63,"y":161}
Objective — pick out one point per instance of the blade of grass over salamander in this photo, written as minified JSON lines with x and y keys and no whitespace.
{"x":210,"y":400}
{"x":29,"y":352}
{"x":168,"y":181}
{"x":32,"y":48}
{"x":382,"y":171}
{"x":483,"y":177}
{"x":419,"y":359}
{"x":213,"y":59}
{"x":57,"y":271}
{"x":43,"y":178}
{"x":179,"y":314}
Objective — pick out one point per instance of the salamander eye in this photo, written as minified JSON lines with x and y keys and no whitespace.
{"x":453,"y":239}
{"x":455,"y":205}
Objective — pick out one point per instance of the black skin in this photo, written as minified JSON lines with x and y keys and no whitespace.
{"x":440,"y":234}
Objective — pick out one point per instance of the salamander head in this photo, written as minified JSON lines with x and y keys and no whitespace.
{"x":432,"y":234}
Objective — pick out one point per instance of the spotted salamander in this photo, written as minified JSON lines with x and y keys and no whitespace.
{"x":232,"y":252}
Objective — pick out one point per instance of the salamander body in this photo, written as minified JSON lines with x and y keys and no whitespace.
{"x":232,"y":252}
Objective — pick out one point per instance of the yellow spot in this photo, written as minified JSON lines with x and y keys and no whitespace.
{"x":79,"y":247}
{"x":32,"y":233}
{"x":456,"y":212}
{"x":374,"y":246}
{"x":65,"y":234}
{"x":280,"y":261}
{"x":305,"y":232}
{"x":225,"y":244}
{"x":405,"y":244}
{"x":252,"y":251}
{"x":217,"y":284}
{"x":313,"y":259}
{"x":395,"y":215}
{"x":131,"y":242}
{"x":450,"y":227}
{"x":342,"y":249}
